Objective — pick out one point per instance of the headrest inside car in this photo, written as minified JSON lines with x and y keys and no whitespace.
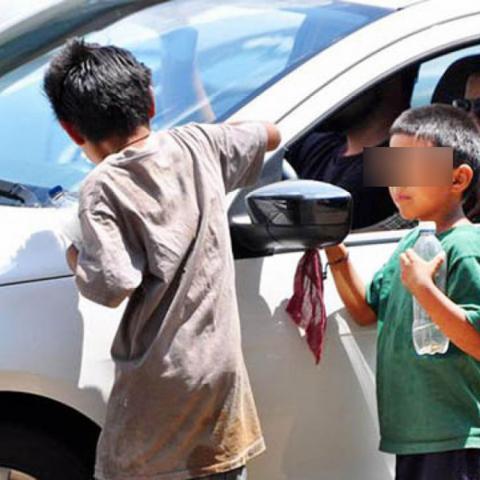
{"x":452,"y":83}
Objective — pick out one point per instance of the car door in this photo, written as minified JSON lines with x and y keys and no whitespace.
{"x":321,"y":422}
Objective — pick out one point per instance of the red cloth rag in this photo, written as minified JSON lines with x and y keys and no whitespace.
{"x":307,"y":307}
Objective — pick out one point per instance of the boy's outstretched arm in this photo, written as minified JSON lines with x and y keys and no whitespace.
{"x":417,"y":276}
{"x":274,"y":136}
{"x":349,"y":285}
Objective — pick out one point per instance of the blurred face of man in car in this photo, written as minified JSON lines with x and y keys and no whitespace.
{"x":472,"y":88}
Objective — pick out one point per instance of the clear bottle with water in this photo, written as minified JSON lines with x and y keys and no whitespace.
{"x":428,"y":339}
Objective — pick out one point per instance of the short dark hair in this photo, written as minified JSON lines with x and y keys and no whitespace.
{"x":444,"y":126}
{"x":102,"y":91}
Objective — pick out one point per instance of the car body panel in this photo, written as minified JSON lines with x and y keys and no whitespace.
{"x":33,"y":247}
{"x":318,"y":421}
{"x":57,"y":345}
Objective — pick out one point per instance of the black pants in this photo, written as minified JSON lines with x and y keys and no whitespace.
{"x":453,"y":465}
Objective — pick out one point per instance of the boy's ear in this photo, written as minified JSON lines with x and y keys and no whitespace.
{"x":462,"y":177}
{"x":151,"y":112}
{"x":72,"y":132}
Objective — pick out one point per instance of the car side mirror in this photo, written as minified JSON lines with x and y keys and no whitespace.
{"x":297,"y":215}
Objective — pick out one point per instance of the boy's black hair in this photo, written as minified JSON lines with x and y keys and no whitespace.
{"x":102,"y":91}
{"x":444,"y":126}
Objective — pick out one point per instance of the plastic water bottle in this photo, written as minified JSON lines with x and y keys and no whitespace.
{"x":428,"y":339}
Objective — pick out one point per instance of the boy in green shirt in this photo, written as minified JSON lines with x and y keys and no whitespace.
{"x":429,"y":406}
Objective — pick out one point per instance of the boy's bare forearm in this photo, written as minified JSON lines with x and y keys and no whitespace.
{"x":450,"y":318}
{"x":349,"y":285}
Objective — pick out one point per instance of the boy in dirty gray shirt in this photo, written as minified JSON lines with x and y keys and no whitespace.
{"x":154,"y":224}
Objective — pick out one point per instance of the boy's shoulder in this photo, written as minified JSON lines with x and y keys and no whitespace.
{"x":462,"y":239}
{"x":92,"y":186}
{"x":114,"y":174}
{"x":461,"y":242}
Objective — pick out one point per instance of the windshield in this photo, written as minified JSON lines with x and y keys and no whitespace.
{"x":208,"y":57}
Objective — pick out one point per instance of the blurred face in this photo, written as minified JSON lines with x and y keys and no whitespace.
{"x":425,"y":166}
{"x":427,"y":202}
{"x":472,"y":88}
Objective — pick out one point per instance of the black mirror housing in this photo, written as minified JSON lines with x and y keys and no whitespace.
{"x":300,"y":214}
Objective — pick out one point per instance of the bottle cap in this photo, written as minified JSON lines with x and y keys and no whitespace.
{"x":427,"y":227}
{"x":55,"y":192}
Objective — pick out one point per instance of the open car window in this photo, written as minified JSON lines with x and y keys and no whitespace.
{"x":431,"y":72}
{"x":325,"y":152}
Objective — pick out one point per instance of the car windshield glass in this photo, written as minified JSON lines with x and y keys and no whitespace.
{"x":208,"y":57}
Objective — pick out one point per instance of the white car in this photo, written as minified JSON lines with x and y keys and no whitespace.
{"x":292,"y":62}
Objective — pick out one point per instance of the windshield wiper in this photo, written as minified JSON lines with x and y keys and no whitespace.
{"x":18,"y":193}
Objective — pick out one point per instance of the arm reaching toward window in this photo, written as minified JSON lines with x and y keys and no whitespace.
{"x":349,"y":285}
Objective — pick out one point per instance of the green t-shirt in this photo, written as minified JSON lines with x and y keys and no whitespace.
{"x":427,"y":403}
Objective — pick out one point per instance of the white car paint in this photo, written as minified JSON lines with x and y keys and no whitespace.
{"x":395,"y":4}
{"x":319,"y":422}
{"x":13,"y":13}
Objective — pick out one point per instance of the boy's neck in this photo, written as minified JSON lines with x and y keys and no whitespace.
{"x":109,"y":146}
{"x":447,"y":220}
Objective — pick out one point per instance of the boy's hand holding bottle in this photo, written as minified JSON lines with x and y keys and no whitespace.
{"x":417,"y":273}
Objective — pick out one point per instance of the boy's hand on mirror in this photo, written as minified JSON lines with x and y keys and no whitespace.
{"x":417,"y":273}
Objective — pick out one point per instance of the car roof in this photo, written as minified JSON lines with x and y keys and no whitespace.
{"x":28,"y":11}
{"x":391,"y":4}
{"x":21,"y":10}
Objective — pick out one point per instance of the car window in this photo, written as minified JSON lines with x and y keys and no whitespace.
{"x":431,"y":71}
{"x":208,"y":59}
{"x":325,"y":152}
